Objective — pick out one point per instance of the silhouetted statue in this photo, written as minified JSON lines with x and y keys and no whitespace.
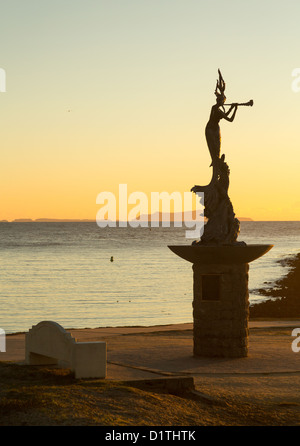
{"x":222,"y":226}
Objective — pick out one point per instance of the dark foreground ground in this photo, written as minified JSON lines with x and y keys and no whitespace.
{"x":52,"y":397}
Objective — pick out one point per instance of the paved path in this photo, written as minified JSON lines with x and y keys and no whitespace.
{"x":149,"y":352}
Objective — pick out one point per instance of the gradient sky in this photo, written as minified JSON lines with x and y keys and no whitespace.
{"x":119,"y":91}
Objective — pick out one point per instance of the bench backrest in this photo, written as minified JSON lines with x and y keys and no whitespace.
{"x":48,"y":338}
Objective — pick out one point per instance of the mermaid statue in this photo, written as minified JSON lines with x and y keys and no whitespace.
{"x":222,"y":227}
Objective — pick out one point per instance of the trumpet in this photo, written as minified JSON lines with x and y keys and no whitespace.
{"x":244,"y":103}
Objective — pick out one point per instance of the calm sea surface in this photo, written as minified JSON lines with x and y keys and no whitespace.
{"x":62,"y":272}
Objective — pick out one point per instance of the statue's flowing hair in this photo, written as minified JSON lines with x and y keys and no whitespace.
{"x":220,"y":87}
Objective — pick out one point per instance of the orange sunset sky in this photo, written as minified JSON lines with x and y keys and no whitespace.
{"x":101,"y":93}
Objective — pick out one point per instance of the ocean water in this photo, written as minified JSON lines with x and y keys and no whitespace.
{"x":63,"y":272}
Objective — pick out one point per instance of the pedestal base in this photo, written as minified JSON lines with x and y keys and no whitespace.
{"x":221,"y":310}
{"x":221,"y":298}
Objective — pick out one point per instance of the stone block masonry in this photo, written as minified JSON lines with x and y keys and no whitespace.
{"x":221,"y":310}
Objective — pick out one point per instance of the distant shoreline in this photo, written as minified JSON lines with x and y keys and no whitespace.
{"x":284,"y":295}
{"x":78,"y":220}
{"x":86,"y":220}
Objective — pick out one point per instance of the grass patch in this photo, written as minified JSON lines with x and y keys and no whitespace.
{"x":44,"y":396}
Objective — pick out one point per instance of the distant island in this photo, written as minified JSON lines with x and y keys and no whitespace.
{"x":156,"y":217}
{"x":49,"y":220}
{"x":179,"y":216}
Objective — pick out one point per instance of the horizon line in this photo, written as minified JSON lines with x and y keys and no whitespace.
{"x":88,"y":220}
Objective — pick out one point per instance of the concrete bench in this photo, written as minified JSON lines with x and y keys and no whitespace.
{"x":49,"y":343}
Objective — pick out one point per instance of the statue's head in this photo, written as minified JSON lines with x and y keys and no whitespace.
{"x":221,"y":99}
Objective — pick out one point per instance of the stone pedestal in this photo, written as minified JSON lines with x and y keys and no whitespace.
{"x":221,"y":310}
{"x":221,"y":298}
